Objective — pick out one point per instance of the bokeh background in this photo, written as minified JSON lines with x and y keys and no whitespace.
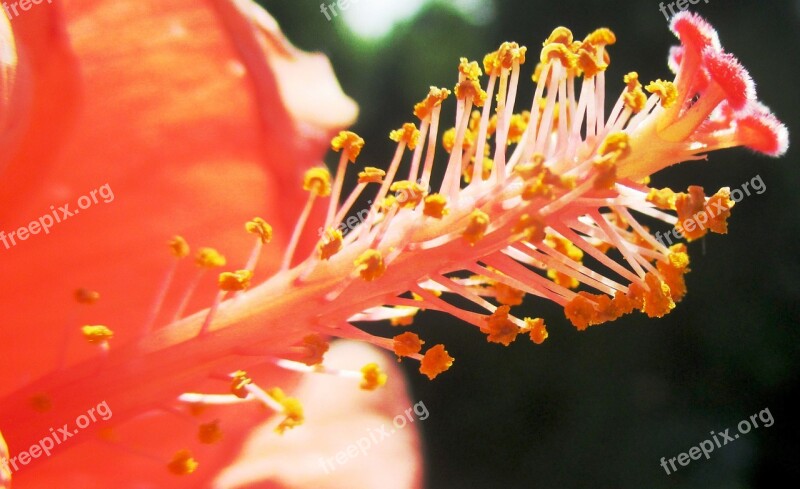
{"x":600,"y":408}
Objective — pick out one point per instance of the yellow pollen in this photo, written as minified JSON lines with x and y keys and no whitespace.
{"x":469,"y":69}
{"x":616,"y":144}
{"x":665,"y":90}
{"x":370,"y":265}
{"x":235,"y":281}
{"x":470,"y":88}
{"x":537,"y":330}
{"x":408,"y":134}
{"x":239,"y":380}
{"x":508,"y":295}
{"x":261,"y":228}
{"x":178,"y":247}
{"x":560,"y":35}
{"x":96,"y":334}
{"x":589,"y":64}
{"x":330,"y":244}
{"x":407,"y":344}
{"x":509,"y":53}
{"x":350,"y":142}
{"x":86,"y":296}
{"x":435,"y":206}
{"x":292,"y":409}
{"x":559,"y":52}
{"x":500,"y":329}
{"x":434,"y":99}
{"x":373,"y":377}
{"x":531,"y":227}
{"x":662,"y":198}
{"x":658,"y":300}
{"x":476,"y":227}
{"x":634,"y":97}
{"x":371,"y":175}
{"x":209,"y":433}
{"x":409,"y":194}
{"x":209,"y":258}
{"x":603,"y":35}
{"x":182,"y":463}
{"x":317,"y":347}
{"x":491,"y":64}
{"x":317,"y":181}
{"x":435,"y":361}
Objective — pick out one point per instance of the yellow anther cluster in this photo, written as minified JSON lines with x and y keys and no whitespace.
{"x":532,"y":228}
{"x":634,"y":96}
{"x":560,"y":52}
{"x":292,"y":410}
{"x":617,"y":144}
{"x":178,"y":247}
{"x":665,"y":90}
{"x":510,"y":53}
{"x":235,"y":281}
{"x":316,"y":347}
{"x":209,"y":258}
{"x":696,"y":216}
{"x":330,"y":244}
{"x":565,"y":247}
{"x":486,"y":169}
{"x":409,"y":194}
{"x":662,"y":198}
{"x":434,"y":99}
{"x":371,"y":175}
{"x":209,"y":433}
{"x":86,"y":296}
{"x":499,"y":328}
{"x":469,"y":69}
{"x":508,"y":295}
{"x":259,"y":227}
{"x":350,"y":142}
{"x":673,"y":270}
{"x":560,"y":35}
{"x":370,"y":265}
{"x":317,"y":181}
{"x":536,"y":329}
{"x":602,"y":36}
{"x":408,"y":134}
{"x":239,"y":380}
{"x":435,"y":206}
{"x":518,"y":124}
{"x":435,"y":361}
{"x":372,"y":377}
{"x":476,"y":226}
{"x":470,"y":88}
{"x":97,"y":333}
{"x":407,"y":344}
{"x":182,"y":463}
{"x":588,"y":63}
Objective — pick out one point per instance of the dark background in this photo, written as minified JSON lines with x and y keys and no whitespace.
{"x":600,"y":408}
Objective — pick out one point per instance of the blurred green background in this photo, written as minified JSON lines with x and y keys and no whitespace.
{"x":600,"y":408}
